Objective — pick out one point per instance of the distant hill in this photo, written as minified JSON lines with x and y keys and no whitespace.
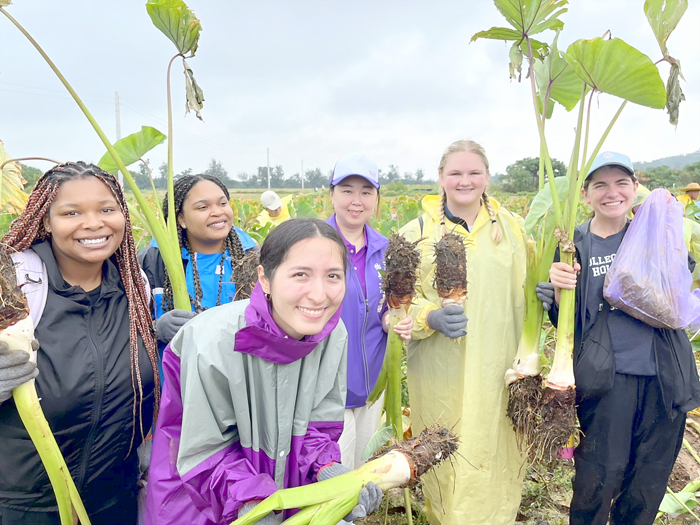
{"x":676,"y":163}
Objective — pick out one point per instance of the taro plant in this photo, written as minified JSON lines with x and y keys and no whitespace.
{"x":572,"y":79}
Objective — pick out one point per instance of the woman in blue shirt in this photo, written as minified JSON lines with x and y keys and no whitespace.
{"x":211,"y":246}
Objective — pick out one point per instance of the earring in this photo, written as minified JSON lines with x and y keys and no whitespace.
{"x":267,"y":297}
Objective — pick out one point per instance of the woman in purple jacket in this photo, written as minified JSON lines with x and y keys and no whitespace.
{"x":254,"y":392}
{"x":354,"y":190}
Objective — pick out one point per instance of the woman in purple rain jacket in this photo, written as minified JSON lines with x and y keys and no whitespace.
{"x":255,"y":390}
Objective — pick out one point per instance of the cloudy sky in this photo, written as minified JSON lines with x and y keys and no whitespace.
{"x":315,"y":80}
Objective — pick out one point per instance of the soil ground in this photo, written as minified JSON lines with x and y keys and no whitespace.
{"x":547,"y":491}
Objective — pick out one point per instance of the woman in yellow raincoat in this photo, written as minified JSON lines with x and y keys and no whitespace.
{"x":457,"y":380}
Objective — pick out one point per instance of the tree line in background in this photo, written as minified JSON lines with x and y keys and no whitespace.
{"x":521,"y":176}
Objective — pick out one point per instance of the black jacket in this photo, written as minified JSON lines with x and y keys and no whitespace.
{"x":84,"y":384}
{"x":673,"y":353}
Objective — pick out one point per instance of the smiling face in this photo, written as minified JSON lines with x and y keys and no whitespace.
{"x":463,"y":178}
{"x":307,"y":287}
{"x":85,"y":223}
{"x":206,"y":216}
{"x":354,"y":201}
{"x":611,"y":193}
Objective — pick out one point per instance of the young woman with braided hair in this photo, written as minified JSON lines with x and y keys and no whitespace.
{"x":456,"y":377}
{"x":211,"y":246}
{"x":98,"y":384}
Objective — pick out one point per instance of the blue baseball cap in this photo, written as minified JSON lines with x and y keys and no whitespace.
{"x":355,"y":165}
{"x":611,"y":158}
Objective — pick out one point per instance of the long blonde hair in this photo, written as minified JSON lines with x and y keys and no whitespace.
{"x":468,"y":146}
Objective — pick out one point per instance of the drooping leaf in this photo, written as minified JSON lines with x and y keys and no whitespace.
{"x":543,"y":202}
{"x":663,"y":17}
{"x":674,"y":92}
{"x":177,"y":22}
{"x":132,"y":148}
{"x":12,"y":196}
{"x":670,"y":505}
{"x":498,"y":33}
{"x":556,"y":77}
{"x":378,"y":440}
{"x":614,"y":67}
{"x":195,"y":97}
{"x":530,"y":17}
{"x":516,"y":61}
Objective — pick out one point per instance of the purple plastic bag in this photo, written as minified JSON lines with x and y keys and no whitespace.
{"x":649,"y":278}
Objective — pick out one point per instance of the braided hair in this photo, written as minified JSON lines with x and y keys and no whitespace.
{"x":469,"y":146}
{"x":232,"y":243}
{"x":29,"y":228}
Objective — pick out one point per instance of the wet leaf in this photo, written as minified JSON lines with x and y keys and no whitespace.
{"x":614,"y":67}
{"x":674,"y":92}
{"x":177,"y":22}
{"x":663,"y":17}
{"x":195,"y":97}
{"x":132,"y":148}
{"x":554,"y":74}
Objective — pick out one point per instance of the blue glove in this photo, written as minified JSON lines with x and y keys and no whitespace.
{"x":370,"y":495}
{"x":170,"y":322}
{"x":15,"y":369}
{"x":449,"y":321}
{"x":545,"y":293}
{"x":269,"y":519}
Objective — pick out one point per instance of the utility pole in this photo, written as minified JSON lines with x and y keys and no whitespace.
{"x":302,"y":174}
{"x":119,"y":129}
{"x":268,"y":168}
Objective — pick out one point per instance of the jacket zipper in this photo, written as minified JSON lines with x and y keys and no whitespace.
{"x":362,"y":336}
{"x":97,"y":410}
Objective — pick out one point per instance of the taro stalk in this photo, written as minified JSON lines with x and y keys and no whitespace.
{"x":329,"y":501}
{"x":524,"y":379}
{"x":598,"y":65}
{"x":17,"y":331}
{"x":179,"y":24}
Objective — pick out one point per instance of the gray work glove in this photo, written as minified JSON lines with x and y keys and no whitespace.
{"x":269,"y":519}
{"x":545,"y":293}
{"x":370,"y":495}
{"x":170,"y":322}
{"x":449,"y":321}
{"x":15,"y":369}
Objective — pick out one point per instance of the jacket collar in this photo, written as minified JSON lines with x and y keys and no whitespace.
{"x":375,"y":240}
{"x":431,"y":205}
{"x":111,"y":280}
{"x":263,"y":338}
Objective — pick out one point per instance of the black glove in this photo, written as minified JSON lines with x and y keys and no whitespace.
{"x":170,"y":322}
{"x":370,"y":495}
{"x":449,"y":321}
{"x":545,"y":293}
{"x":15,"y":369}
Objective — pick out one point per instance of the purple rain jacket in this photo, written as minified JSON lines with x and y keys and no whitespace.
{"x":363,"y":320}
{"x":245,"y":411}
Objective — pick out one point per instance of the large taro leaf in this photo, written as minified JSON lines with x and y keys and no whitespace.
{"x":177,"y":22}
{"x":557,"y":79}
{"x":542,"y":202}
{"x":614,"y":67}
{"x":663,"y":17}
{"x":529,"y":17}
{"x":132,"y":148}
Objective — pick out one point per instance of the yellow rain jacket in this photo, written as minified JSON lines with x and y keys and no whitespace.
{"x":264,"y":216}
{"x":459,"y":383}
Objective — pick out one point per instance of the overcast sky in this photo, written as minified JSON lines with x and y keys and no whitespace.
{"x":315,"y":80}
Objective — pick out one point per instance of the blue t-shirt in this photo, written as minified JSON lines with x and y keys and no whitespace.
{"x":631,"y":338}
{"x":209,"y":269}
